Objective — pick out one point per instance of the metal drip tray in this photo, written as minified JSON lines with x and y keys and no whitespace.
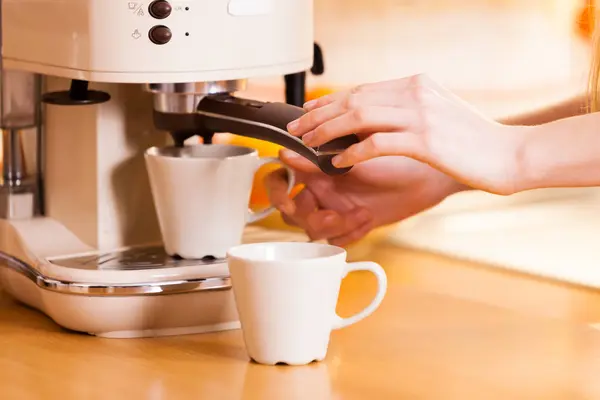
{"x":131,"y":259}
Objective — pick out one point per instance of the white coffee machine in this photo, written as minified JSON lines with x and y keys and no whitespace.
{"x":78,"y":233}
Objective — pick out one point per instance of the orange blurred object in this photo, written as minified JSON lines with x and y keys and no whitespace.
{"x":586,"y":19}
{"x":318,"y":92}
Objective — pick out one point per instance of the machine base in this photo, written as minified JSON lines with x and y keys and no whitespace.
{"x":128,"y":316}
{"x":122,"y":295}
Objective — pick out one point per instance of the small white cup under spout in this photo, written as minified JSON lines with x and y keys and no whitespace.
{"x":201,"y":195}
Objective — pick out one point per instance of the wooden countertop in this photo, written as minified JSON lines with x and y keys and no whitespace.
{"x":447,"y":330}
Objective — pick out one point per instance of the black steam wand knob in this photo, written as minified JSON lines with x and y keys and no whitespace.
{"x":295,"y":84}
{"x":318,"y":67}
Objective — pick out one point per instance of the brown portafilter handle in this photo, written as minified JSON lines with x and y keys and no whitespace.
{"x":267,"y":121}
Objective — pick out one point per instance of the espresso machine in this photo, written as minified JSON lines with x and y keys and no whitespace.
{"x":86,"y":87}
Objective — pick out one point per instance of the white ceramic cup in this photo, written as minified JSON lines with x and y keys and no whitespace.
{"x":286,"y":296}
{"x":201,"y":195}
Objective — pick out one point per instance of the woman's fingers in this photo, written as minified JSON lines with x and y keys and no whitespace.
{"x":299,"y":164}
{"x":404,"y":144}
{"x":325,"y":100}
{"x":353,"y":235}
{"x":328,"y":224}
{"x":277,"y":184}
{"x":337,"y":96}
{"x":398,"y":85}
{"x":347,"y":103}
{"x":305,"y":204}
{"x":321,"y":224}
{"x":361,"y":121}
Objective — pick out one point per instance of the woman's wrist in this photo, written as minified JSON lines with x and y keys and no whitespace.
{"x":527,"y":167}
{"x":564,"y":153}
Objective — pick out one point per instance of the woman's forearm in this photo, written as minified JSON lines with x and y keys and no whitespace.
{"x":538,"y":159}
{"x":563,"y":153}
{"x":566,"y":109}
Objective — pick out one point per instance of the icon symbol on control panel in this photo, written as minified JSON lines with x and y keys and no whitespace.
{"x":136,"y":34}
{"x":178,"y":8}
{"x":136,"y":8}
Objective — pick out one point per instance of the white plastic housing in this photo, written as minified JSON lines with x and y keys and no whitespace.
{"x":107,"y":40}
{"x":117,"y":316}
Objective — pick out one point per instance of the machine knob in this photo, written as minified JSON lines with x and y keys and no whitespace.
{"x":160,"y":34}
{"x":160,"y":9}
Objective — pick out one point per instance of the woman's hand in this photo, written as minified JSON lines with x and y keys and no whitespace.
{"x":417,"y":118}
{"x":343,"y":209}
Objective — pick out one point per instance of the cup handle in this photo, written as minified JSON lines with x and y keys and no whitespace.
{"x":379,"y":272}
{"x":254,"y":216}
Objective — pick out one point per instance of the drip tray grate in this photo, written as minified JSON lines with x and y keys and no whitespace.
{"x":131,"y":259}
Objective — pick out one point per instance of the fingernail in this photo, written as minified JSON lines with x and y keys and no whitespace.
{"x":310,"y":104}
{"x":292,"y":126}
{"x":289,"y":153}
{"x":307,"y":138}
{"x":287,"y":208}
{"x":337,"y":161}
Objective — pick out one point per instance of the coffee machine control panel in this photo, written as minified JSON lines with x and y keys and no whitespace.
{"x":160,"y":41}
